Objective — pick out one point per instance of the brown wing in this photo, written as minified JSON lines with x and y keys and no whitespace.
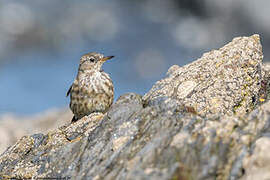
{"x":69,"y":90}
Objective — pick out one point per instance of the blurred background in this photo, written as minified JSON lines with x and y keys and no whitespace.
{"x":41,"y":42}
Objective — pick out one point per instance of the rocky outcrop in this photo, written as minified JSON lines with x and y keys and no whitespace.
{"x":206,"y":120}
{"x":224,"y":81}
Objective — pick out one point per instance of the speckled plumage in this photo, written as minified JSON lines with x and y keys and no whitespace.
{"x":92,"y":90}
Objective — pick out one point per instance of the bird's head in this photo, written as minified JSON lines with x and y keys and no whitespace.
{"x":93,"y":61}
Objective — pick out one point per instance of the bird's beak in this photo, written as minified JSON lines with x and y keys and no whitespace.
{"x":107,"y":58}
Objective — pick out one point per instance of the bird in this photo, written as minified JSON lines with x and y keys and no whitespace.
{"x":92,"y":90}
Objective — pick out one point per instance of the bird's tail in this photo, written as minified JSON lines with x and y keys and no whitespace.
{"x":74,"y":119}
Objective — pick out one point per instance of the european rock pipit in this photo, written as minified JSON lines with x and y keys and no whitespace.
{"x":92,"y":90}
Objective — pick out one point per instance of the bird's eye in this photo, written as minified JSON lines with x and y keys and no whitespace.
{"x":92,"y":59}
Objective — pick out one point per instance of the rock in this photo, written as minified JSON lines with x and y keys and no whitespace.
{"x":257,"y":166}
{"x":224,"y":81}
{"x":206,"y":120}
{"x":265,"y":84}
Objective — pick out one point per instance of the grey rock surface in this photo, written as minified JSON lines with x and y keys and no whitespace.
{"x":207,"y":120}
